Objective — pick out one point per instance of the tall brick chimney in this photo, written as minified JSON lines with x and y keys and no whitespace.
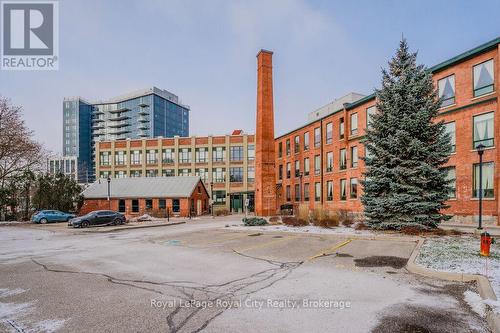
{"x":265,"y":182}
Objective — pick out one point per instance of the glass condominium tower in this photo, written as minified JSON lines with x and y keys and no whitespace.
{"x":146,"y":113}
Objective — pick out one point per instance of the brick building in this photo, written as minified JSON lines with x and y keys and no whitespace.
{"x":224,"y":163}
{"x":180,"y":196}
{"x":321,"y":162}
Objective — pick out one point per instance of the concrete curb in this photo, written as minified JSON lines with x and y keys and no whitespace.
{"x":131,"y":227}
{"x":483,"y":284}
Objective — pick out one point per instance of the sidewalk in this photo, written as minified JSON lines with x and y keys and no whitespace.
{"x":471,"y":228}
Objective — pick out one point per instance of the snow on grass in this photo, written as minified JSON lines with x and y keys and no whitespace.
{"x":475,"y":302}
{"x":307,"y":229}
{"x":461,"y":255}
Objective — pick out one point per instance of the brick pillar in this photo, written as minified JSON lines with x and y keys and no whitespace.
{"x":265,"y":185}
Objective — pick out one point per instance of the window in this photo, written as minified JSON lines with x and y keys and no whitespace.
{"x":354,"y":188}
{"x":287,"y":147}
{"x":329,"y":161}
{"x":483,"y":130}
{"x":297,"y":168}
{"x":151,"y":157}
{"x":121,"y":206}
{"x":219,"y":175}
{"x":184,"y":172}
{"x":317,"y":137}
{"x":135,"y":206}
{"x":251,"y":174}
{"x":354,"y":124}
{"x":135,"y":173}
{"x":329,"y":190}
{"x":317,"y":165}
{"x":369,"y":114}
{"x":120,"y":174}
{"x":151,"y":173}
{"x":176,"y":206}
{"x":483,"y":78}
{"x":218,"y":154}
{"x":185,"y":155}
{"x":236,"y":175}
{"x":343,"y":159}
{"x":149,"y":204}
{"x":168,"y":156}
{"x":450,"y":129}
{"x":201,"y":155}
{"x":280,"y":172}
{"x":317,"y":191}
{"x":288,"y":194}
{"x":280,"y":149}
{"x":202,"y":173}
{"x":168,"y":173}
{"x":236,"y":153}
{"x":288,"y":170}
{"x":342,"y":128}
{"x":297,"y":192}
{"x":452,"y":178}
{"x":354,"y":156}
{"x":446,"y":88}
{"x":343,"y":190}
{"x":306,"y":141}
{"x":104,"y":158}
{"x":219,"y":197}
{"x":329,"y":133}
{"x":120,"y":158}
{"x":306,"y":166}
{"x":251,"y":152}
{"x":162,"y":204}
{"x":136,"y":157}
{"x":306,"y":192}
{"x":488,"y":178}
{"x":296,"y":144}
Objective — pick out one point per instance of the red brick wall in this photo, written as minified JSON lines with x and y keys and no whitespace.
{"x":462,"y":113}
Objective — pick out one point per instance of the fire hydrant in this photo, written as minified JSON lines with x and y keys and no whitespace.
{"x":486,"y":242}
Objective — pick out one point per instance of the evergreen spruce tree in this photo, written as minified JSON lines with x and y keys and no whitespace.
{"x":405,"y":184}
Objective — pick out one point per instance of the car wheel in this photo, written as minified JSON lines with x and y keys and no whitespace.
{"x":116,"y":221}
{"x":43,"y":221}
{"x":85,"y":224}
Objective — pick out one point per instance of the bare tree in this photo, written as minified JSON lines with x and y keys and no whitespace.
{"x":19,"y":152}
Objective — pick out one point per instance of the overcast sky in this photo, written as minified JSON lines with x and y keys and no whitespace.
{"x":204,"y":51}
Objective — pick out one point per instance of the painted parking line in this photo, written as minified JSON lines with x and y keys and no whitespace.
{"x":266,"y":244}
{"x":330,"y":250}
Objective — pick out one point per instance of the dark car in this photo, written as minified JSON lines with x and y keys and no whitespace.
{"x":98,"y":217}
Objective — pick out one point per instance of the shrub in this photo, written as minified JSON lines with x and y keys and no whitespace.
{"x":325,"y":218}
{"x":294,"y":221}
{"x":346,"y":218}
{"x":303,"y":212}
{"x":221,"y":212}
{"x":274,"y":219}
{"x":254,"y":221}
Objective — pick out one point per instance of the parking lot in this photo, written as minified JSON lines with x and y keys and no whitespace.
{"x":203,"y":276}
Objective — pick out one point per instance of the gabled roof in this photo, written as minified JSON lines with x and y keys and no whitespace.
{"x":143,"y":187}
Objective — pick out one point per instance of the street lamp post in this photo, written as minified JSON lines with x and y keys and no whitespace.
{"x":212,"y":198}
{"x":109,"y":194}
{"x":480,"y":151}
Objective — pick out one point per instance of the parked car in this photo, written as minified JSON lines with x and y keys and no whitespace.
{"x":98,"y":217}
{"x":45,"y":216}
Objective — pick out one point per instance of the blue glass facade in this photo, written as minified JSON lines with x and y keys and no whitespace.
{"x":144,"y":114}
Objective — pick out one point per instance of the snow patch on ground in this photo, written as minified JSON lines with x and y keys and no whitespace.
{"x":308,"y":229}
{"x":461,"y":255}
{"x":475,"y":302}
{"x":12,"y":313}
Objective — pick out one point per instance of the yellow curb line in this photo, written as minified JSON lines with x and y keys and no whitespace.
{"x":338,"y":246}
{"x":267,"y":244}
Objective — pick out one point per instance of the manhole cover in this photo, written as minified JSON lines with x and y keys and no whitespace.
{"x":256,"y":234}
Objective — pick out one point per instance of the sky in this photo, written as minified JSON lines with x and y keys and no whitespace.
{"x":204,"y":52}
